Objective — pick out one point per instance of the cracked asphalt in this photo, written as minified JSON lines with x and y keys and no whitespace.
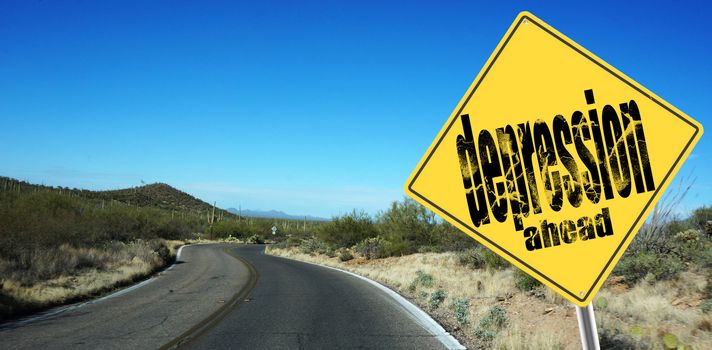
{"x":296,"y":305}
{"x":201,"y":282}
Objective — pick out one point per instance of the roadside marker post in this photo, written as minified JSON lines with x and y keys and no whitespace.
{"x":553,"y":159}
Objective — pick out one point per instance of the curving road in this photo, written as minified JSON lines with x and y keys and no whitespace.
{"x":202,"y":281}
{"x":232,"y":297}
{"x":296,"y":305}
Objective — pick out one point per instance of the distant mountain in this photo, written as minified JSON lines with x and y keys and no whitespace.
{"x":273,"y":214}
{"x":157,"y":195}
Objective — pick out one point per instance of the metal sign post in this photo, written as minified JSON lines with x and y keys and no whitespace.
{"x":587,"y":327}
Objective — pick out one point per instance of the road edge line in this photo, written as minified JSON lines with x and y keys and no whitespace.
{"x":61,"y":309}
{"x":207,"y":323}
{"x":425,"y":320}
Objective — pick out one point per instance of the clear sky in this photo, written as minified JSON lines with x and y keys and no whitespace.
{"x":302,"y":106}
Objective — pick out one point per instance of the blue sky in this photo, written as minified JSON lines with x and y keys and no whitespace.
{"x":307,"y":107}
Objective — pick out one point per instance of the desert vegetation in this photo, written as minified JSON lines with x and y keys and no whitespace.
{"x":58,"y":245}
{"x":658,"y":296}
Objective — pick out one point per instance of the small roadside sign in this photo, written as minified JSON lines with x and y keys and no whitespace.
{"x":553,"y":159}
{"x":274,"y":230}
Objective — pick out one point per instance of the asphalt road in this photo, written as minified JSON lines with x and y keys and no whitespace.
{"x":231,"y":297}
{"x":204,"y":279}
{"x":296,"y":305}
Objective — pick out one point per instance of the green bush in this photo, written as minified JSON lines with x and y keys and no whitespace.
{"x":345,"y":255}
{"x":437,"y":298}
{"x":700,"y":219}
{"x":288,"y":242}
{"x":405,"y":228}
{"x":255,"y":239}
{"x":346,"y":230}
{"x":461,"y":307}
{"x":523,"y":281}
{"x":313,"y":246}
{"x":471,"y":258}
{"x":371,"y":248}
{"x":421,"y":279}
{"x":408,"y":226}
{"x":617,"y":340}
{"x":490,"y":325}
{"x":635,"y":267}
{"x":48,"y":219}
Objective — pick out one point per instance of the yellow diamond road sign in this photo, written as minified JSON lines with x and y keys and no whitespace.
{"x":553,"y":159}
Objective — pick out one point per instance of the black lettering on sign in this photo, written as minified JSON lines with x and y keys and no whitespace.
{"x":525,"y":134}
{"x":514,"y":174}
{"x":588,"y":157}
{"x":492,"y":170}
{"x":598,"y":140}
{"x":546,"y":155}
{"x":616,"y":151}
{"x":471,"y":175}
{"x":572,"y":184}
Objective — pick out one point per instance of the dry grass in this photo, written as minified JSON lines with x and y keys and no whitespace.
{"x":47,"y":277}
{"x":516,"y":338}
{"x":542,"y":319}
{"x":654,"y":309}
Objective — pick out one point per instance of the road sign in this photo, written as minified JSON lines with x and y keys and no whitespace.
{"x":553,"y":159}
{"x":274,"y":230}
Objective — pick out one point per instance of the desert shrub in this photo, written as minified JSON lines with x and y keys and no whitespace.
{"x":225,"y":228}
{"x":329,"y":251}
{"x":313,"y":246}
{"x":461,"y":307}
{"x":345,"y":255}
{"x":471,"y":258}
{"x":35,"y":264}
{"x":437,"y":298}
{"x":706,"y":305}
{"x":523,"y":281}
{"x":346,"y":230}
{"x":492,"y":260}
{"x":174,"y":229}
{"x":617,"y":340}
{"x":371,"y":248}
{"x":292,"y":242}
{"x":289,"y":242}
{"x":490,"y":325}
{"x":421,"y":279}
{"x":700,"y":218}
{"x":635,"y":267}
{"x":446,"y":237}
{"x":49,"y":219}
{"x":484,"y":335}
{"x":255,"y":239}
{"x":407,"y":225}
{"x":481,"y":258}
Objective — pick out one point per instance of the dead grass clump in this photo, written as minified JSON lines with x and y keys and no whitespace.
{"x":44,"y":277}
{"x":517,"y":338}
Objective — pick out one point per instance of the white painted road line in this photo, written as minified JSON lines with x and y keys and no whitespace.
{"x":60,"y":309}
{"x":420,"y":316}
